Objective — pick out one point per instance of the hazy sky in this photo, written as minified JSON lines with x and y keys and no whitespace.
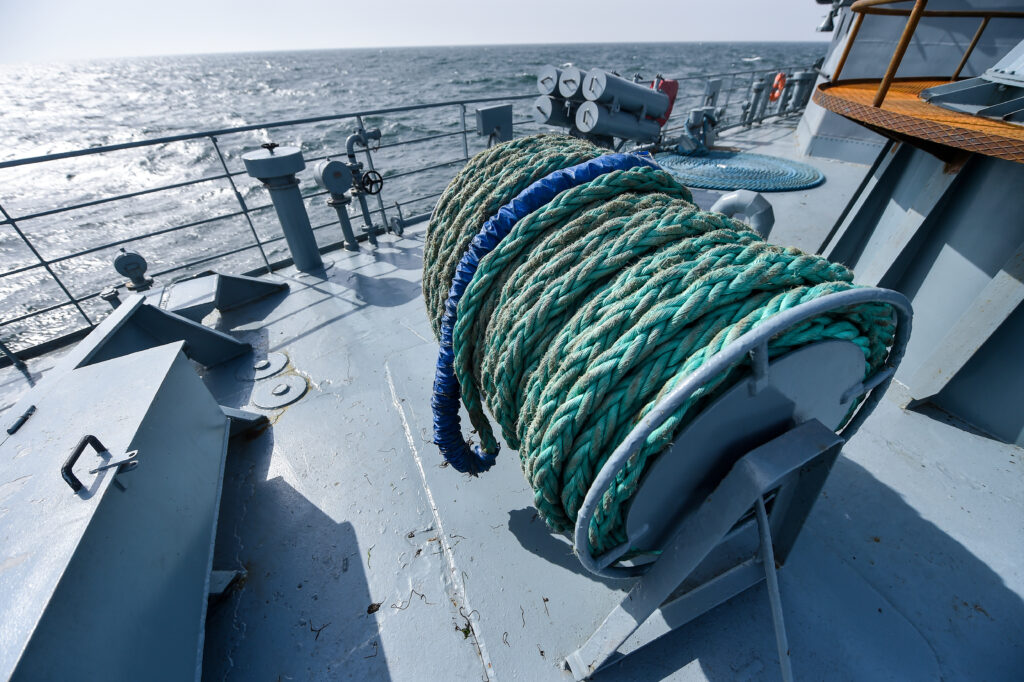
{"x":50,"y":30}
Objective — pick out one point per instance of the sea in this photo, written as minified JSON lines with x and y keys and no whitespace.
{"x":48,"y":109}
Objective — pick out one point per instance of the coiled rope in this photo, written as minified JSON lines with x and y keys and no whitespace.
{"x":571,"y":292}
{"x":720,"y":169}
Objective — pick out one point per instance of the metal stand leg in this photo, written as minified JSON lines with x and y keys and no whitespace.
{"x":756,"y":474}
{"x":774,"y":598}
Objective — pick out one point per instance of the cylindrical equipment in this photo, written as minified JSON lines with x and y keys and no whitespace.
{"x":803,"y":84}
{"x":601,"y":86}
{"x":547,"y":80}
{"x":763,"y":98}
{"x":570,"y":83}
{"x":336,"y":178}
{"x":568,"y":348}
{"x":553,"y":112}
{"x":593,"y":118}
{"x":276,"y":167}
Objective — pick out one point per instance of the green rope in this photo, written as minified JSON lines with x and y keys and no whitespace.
{"x":598,"y":304}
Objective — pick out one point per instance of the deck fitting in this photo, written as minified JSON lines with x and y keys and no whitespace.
{"x":283,"y":391}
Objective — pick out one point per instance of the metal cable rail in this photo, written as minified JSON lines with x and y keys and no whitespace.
{"x":227,"y":175}
{"x":40,"y":262}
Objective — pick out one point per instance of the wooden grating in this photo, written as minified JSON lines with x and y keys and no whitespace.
{"x":905,"y":113}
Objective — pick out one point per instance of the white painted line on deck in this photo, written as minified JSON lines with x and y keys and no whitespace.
{"x":442,"y":536}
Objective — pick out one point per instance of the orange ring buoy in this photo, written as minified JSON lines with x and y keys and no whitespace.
{"x":777,"y":86}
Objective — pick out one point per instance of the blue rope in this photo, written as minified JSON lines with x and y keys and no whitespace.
{"x":447,"y":393}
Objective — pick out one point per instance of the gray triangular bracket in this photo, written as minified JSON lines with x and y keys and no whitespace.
{"x":195,"y":298}
{"x":136,"y":325}
{"x":243,"y":421}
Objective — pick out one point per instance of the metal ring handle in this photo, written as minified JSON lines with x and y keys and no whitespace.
{"x":66,"y":471}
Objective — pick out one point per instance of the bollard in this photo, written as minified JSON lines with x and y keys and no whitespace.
{"x":276,"y":167}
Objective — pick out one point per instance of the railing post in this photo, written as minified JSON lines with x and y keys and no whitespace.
{"x":369,"y":163}
{"x":45,"y":263}
{"x":852,"y":36}
{"x":465,"y":138}
{"x":970,"y":49}
{"x":901,"y":49}
{"x":241,"y":202}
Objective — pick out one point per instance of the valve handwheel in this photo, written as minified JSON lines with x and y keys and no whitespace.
{"x":372,"y":182}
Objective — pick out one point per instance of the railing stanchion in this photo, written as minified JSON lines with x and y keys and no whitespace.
{"x":465,"y":137}
{"x":970,"y":49}
{"x":241,"y":202}
{"x":45,"y":263}
{"x":901,"y":49}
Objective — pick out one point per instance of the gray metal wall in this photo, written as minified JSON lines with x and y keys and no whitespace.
{"x":951,"y":238}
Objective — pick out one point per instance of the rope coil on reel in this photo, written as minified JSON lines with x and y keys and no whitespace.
{"x":571,"y":291}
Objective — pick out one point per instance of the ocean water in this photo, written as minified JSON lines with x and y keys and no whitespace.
{"x":49,"y":108}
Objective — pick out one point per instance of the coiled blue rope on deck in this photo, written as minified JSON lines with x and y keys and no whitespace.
{"x":740,"y":170}
{"x":446,"y":396}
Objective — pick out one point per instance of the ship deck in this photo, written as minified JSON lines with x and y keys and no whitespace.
{"x":366,"y":558}
{"x":908,"y":567}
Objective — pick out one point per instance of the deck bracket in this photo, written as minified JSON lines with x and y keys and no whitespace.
{"x":779,"y":481}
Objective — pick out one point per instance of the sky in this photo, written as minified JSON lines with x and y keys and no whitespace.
{"x":62,"y":30}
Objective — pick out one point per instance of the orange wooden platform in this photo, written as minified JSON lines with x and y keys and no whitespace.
{"x":905,"y":113}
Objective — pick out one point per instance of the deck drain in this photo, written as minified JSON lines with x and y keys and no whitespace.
{"x":282,"y":391}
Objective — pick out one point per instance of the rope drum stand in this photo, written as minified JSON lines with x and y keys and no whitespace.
{"x":596,"y":312}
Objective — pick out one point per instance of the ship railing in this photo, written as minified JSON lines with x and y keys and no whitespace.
{"x":739,"y":99}
{"x":53,"y":296}
{"x":914,"y":15}
{"x":51,"y":308}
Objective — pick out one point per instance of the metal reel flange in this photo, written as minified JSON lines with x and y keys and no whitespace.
{"x":812,"y":382}
{"x":818,"y":382}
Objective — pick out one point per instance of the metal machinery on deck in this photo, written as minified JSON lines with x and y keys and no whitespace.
{"x":612,"y":111}
{"x":753,"y":462}
{"x":120,"y":568}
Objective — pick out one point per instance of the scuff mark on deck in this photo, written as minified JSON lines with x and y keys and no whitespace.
{"x":458,"y":585}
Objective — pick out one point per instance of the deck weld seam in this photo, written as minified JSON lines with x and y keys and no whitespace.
{"x":456,"y":575}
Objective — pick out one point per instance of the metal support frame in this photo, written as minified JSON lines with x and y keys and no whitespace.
{"x":908,"y":187}
{"x":794,"y":465}
{"x":243,"y":421}
{"x":808,"y":446}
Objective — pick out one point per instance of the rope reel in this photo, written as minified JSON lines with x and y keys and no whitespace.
{"x":574,"y":293}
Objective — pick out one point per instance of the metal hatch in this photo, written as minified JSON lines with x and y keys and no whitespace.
{"x":94,"y":579}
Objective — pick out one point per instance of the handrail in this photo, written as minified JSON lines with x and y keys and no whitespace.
{"x":45,"y":263}
{"x":249,"y":128}
{"x":226,"y":176}
{"x":875,"y":7}
{"x":914,"y":16}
